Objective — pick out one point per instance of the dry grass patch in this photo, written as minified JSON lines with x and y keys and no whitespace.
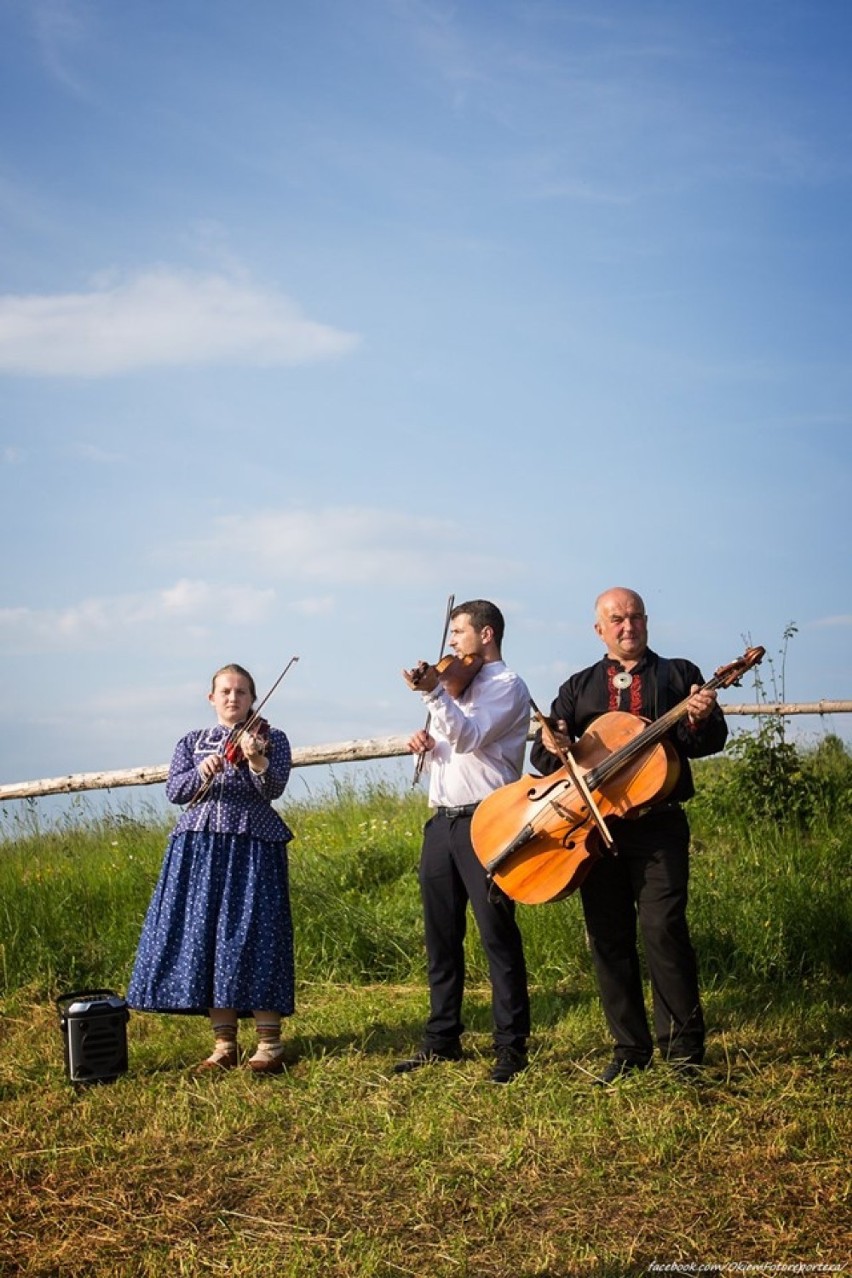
{"x":341,"y":1168}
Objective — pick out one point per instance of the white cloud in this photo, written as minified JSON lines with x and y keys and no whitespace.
{"x":840,"y":619}
{"x":94,"y":622}
{"x":92,"y":453}
{"x":159,"y":318}
{"x":62,"y":32}
{"x":350,"y":545}
{"x":442,"y":45}
{"x":314,"y":606}
{"x":149,"y":699}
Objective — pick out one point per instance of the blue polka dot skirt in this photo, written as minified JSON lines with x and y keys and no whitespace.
{"x":218,"y":932}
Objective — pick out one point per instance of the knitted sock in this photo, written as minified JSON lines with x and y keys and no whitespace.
{"x":269,"y":1045}
{"x":225,"y":1034}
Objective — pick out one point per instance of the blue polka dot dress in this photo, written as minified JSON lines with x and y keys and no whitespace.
{"x":218,"y":932}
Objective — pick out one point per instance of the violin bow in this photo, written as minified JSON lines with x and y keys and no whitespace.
{"x":421,"y":758}
{"x":235,"y":737}
{"x":255,"y":715}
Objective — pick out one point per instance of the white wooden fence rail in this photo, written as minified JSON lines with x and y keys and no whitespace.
{"x":339,"y":752}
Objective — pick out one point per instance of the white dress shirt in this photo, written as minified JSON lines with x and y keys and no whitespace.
{"x":479,"y":739}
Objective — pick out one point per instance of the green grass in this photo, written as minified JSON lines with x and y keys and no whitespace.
{"x":341,"y":1168}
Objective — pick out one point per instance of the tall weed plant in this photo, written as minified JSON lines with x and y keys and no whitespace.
{"x":774,"y":780}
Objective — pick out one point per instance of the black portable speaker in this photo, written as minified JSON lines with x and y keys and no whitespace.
{"x":94,"y":1029}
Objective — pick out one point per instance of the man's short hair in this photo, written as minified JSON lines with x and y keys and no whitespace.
{"x":483,"y":613}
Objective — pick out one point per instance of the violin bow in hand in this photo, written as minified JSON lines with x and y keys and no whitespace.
{"x":567,"y":761}
{"x":421,"y":758}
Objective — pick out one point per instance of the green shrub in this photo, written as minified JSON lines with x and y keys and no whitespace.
{"x":763,"y":778}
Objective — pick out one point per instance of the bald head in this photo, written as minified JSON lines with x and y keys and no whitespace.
{"x":622,"y":624}
{"x":621,"y":597}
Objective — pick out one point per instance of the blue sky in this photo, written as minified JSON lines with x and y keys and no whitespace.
{"x":311,"y":315}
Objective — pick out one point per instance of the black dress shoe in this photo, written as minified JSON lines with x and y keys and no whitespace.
{"x":426,"y":1056}
{"x":618,"y":1069}
{"x":509,"y":1063}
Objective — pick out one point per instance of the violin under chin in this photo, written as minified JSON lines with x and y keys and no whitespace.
{"x":455,"y":674}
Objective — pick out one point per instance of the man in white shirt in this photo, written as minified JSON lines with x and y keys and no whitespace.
{"x":474,"y":744}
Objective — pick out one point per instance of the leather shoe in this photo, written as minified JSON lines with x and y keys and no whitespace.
{"x":426,"y":1056}
{"x":619,"y":1069}
{"x":268,"y":1062}
{"x":217,"y":1061}
{"x":509,"y":1062}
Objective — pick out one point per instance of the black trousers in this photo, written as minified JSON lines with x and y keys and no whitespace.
{"x":647,"y":881}
{"x":450,"y":876}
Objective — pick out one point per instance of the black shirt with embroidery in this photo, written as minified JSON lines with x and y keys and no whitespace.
{"x":655,"y":686}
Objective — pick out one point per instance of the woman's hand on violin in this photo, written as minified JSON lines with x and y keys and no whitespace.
{"x":254,"y":751}
{"x":210,"y":766}
{"x":700,"y":704}
{"x":421,"y":742}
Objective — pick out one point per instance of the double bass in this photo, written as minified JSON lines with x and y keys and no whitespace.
{"x":538,"y":837}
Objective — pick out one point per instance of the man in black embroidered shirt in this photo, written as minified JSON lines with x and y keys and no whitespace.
{"x":648,"y":877}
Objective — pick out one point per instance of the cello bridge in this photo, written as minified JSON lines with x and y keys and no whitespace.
{"x":565,"y":813}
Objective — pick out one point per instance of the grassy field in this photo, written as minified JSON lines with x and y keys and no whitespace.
{"x":340,"y":1168}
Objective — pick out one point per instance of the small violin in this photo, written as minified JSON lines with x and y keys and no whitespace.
{"x":454,"y":673}
{"x":256,"y":727}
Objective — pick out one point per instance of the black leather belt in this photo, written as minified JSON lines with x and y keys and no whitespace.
{"x":466,"y":810}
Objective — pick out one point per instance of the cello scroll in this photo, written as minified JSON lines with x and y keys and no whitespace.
{"x":728,"y":676}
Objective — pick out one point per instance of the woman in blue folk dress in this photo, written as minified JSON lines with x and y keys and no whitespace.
{"x":218,"y":935}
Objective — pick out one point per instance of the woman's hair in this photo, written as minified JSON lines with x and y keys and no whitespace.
{"x":233,"y":668}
